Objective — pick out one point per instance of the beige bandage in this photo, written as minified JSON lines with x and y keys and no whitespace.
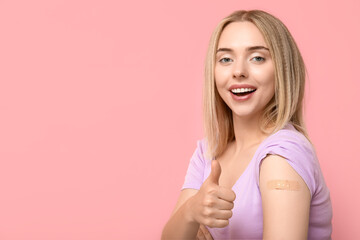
{"x":283,"y":185}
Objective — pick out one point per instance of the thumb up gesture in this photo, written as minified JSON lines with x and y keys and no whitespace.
{"x":212,"y":204}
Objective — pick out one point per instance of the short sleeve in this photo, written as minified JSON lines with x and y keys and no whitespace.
{"x":195,"y":172}
{"x":299,"y":153}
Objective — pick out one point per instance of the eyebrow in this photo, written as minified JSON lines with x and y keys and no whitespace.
{"x":247,"y":49}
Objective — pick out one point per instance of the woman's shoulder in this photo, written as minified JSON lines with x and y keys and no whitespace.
{"x":201,"y":145}
{"x":297,"y":150}
{"x":201,"y":149}
{"x":292,"y":145}
{"x":289,"y":136}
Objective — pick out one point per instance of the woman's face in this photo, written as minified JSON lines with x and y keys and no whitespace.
{"x":244,"y":70}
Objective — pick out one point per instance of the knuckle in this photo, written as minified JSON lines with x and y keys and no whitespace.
{"x":207,"y":212}
{"x":209,"y":202}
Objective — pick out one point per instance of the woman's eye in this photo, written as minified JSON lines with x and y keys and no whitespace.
{"x":258,"y":59}
{"x":225,"y":60}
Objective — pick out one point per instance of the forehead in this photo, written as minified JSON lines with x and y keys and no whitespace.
{"x":241,"y":35}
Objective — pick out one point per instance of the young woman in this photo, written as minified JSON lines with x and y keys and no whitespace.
{"x":255,"y":175}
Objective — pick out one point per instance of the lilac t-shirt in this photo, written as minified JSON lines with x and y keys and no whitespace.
{"x":247,"y":219}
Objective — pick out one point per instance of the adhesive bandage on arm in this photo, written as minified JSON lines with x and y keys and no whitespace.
{"x":283,"y":185}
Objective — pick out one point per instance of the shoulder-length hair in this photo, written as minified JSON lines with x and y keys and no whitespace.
{"x":287,"y":103}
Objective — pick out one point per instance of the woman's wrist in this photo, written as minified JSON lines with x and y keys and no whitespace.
{"x":188,"y":211}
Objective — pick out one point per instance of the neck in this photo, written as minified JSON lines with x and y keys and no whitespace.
{"x":247,"y":132}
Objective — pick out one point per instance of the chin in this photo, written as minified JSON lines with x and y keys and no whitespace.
{"x":242,"y":114}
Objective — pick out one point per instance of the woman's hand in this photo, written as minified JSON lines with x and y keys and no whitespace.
{"x":203,"y":234}
{"x":212,"y":204}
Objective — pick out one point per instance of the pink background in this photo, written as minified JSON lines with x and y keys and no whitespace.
{"x":100,"y":107}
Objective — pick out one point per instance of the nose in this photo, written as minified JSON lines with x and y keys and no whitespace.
{"x":240,"y":69}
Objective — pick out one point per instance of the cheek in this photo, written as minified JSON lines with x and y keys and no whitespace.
{"x":266,"y":77}
{"x":217,"y":80}
{"x":272,"y":81}
{"x":271,"y":86}
{"x":220,"y":77}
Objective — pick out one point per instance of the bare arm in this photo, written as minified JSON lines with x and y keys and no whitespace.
{"x":285,"y":200}
{"x":180,"y":225}
{"x":211,"y":205}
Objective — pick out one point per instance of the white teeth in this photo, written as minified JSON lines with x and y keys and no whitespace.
{"x":242,"y":90}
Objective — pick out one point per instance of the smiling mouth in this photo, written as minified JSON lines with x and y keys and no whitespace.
{"x":242,"y":91}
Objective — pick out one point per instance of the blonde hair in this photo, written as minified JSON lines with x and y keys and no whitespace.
{"x":287,"y":103}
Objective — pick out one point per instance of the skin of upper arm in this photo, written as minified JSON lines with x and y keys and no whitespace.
{"x":185,"y":194}
{"x":285,"y":210}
